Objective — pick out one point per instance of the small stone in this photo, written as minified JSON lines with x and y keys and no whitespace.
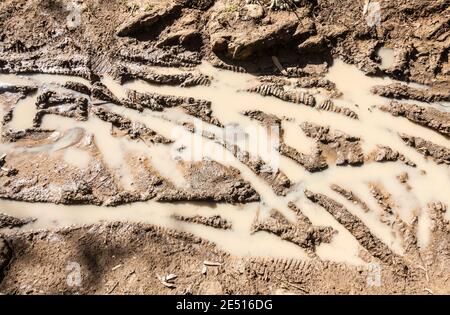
{"x":219,"y":43}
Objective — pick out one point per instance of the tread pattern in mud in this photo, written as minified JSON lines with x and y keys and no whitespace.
{"x":128,"y":44}
{"x":359,"y":230}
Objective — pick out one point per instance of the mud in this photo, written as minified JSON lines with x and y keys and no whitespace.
{"x":438,"y":153}
{"x":196,"y":108}
{"x":386,"y":154}
{"x":278,"y":92}
{"x":77,"y":87}
{"x":211,"y":181}
{"x":132,"y":129}
{"x":370,"y":242}
{"x":348,"y":194}
{"x":384,"y":200}
{"x":49,"y":102}
{"x":279,"y":182}
{"x":133,"y":247}
{"x":5,"y":256}
{"x":92,"y":113}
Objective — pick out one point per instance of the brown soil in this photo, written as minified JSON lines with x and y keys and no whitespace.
{"x":124,"y":258}
{"x":125,"y":41}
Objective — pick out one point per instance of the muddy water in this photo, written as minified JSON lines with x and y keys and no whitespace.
{"x":77,"y":157}
{"x":228,"y":101}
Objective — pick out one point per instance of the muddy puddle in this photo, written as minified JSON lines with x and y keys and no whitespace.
{"x":387,"y":56}
{"x":229,"y":99}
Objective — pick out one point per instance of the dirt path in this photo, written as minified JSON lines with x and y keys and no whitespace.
{"x":294,"y":150}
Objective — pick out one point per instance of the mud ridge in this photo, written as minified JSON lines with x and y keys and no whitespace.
{"x":424,"y":116}
{"x":347,"y":149}
{"x":359,"y":230}
{"x":215,"y":221}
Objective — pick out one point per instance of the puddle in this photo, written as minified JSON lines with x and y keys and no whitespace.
{"x":228,"y":101}
{"x":294,"y":136}
{"x":116,"y":89}
{"x":77,"y":157}
{"x":387,"y":56}
{"x":24,"y":112}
